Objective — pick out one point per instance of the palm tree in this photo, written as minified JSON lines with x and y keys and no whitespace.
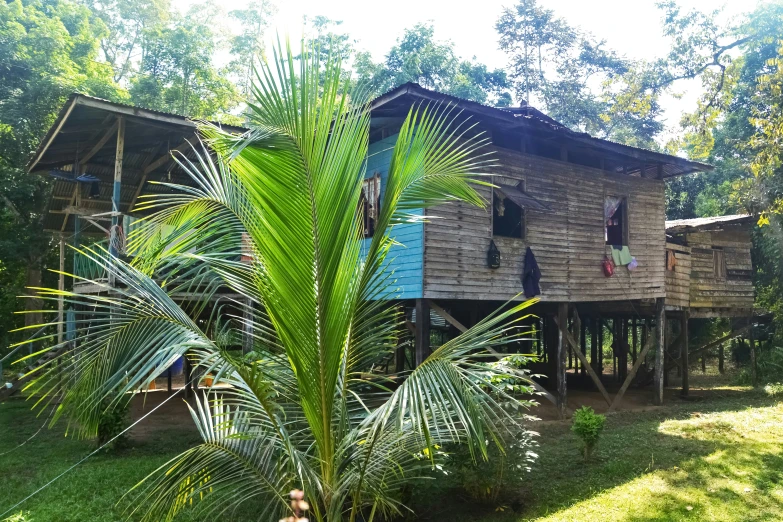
{"x":307,"y":407}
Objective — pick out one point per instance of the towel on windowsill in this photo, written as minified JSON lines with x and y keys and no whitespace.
{"x":621,"y":255}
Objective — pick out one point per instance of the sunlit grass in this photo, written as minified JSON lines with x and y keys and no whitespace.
{"x":719,"y":459}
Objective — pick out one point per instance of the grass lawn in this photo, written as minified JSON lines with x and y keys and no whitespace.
{"x":718,"y":459}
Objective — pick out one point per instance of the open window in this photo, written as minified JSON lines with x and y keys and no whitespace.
{"x":508,"y":218}
{"x":616,"y":221}
{"x":369,"y":203}
{"x":719,"y":263}
{"x":509,"y":207}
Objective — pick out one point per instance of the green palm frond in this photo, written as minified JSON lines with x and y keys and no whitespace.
{"x":273,"y":216}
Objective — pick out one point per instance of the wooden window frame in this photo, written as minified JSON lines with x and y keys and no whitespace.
{"x":521,"y":184}
{"x":367,"y":223}
{"x":719,"y":269}
{"x":626,"y":234}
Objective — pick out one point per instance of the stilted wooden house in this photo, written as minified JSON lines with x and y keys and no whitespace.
{"x":577,"y":221}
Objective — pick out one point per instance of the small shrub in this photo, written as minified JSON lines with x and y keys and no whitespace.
{"x":774,"y":389}
{"x":588,"y":426}
{"x":113,"y":420}
{"x":500,"y":476}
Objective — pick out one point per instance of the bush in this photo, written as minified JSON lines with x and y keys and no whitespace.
{"x":769,"y":366}
{"x":588,"y":426}
{"x":113,"y":420}
{"x":500,"y":476}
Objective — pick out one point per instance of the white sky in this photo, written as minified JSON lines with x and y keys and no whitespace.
{"x":631,"y":27}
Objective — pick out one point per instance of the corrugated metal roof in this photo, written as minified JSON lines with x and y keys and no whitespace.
{"x":702,"y":222}
{"x":530,"y":116}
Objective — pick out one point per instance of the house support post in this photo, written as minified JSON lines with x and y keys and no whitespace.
{"x":560,"y":360}
{"x":629,"y":379}
{"x":61,"y":297}
{"x":422,"y":337}
{"x":752,"y":341}
{"x":720,"y":360}
{"x":247,"y":327}
{"x":116,"y":187}
{"x":660,"y":334}
{"x":684,"y":319}
{"x":583,"y":359}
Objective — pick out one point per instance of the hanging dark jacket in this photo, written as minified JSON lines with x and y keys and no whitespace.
{"x":531,"y":275}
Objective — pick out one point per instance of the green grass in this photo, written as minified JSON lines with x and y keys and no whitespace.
{"x":719,"y":459}
{"x":91,"y":492}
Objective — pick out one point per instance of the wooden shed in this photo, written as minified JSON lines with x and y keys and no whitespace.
{"x":712,"y":261}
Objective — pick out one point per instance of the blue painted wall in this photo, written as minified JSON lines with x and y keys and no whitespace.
{"x":407,"y":259}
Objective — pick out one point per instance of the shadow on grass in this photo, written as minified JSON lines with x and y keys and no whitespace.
{"x":688,"y":461}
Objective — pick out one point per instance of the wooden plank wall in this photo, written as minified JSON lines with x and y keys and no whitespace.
{"x":736,"y":291}
{"x":568,"y":244}
{"x":678,"y":280}
{"x":405,"y":259}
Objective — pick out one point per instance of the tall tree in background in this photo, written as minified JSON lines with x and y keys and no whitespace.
{"x":419,"y":57}
{"x":178,"y":72}
{"x":48,"y":49}
{"x":247,"y":45}
{"x":574,"y":78}
{"x":126,"y":22}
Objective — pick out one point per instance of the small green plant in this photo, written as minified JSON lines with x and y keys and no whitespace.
{"x":774,"y":389}
{"x":499,"y":477}
{"x":588,"y":426}
{"x":112,"y":421}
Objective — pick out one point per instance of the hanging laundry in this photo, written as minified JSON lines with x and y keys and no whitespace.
{"x":531,"y":275}
{"x":621,"y":255}
{"x":632,"y":265}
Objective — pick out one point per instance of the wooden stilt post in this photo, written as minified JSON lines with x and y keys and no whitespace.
{"x":720,"y":360}
{"x":600,"y":346}
{"x":188,"y":385}
{"x":595,"y":323}
{"x":583,"y":339}
{"x":562,"y":318}
{"x":634,"y":339}
{"x":752,"y":341}
{"x":422,"y":338}
{"x":684,"y":319}
{"x":660,"y":330}
{"x":61,"y":298}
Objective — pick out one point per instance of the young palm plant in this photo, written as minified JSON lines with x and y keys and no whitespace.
{"x":306,"y":408}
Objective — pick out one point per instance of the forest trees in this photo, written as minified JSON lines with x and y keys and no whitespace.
{"x":48,"y":51}
{"x":419,"y":57}
{"x":131,"y":51}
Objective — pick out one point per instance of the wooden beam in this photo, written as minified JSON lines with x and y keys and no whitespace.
{"x":459,"y":326}
{"x":594,"y":376}
{"x":684,"y":319}
{"x":660,"y":330}
{"x":164,"y":158}
{"x":422,"y":337}
{"x":101,"y":142}
{"x":145,"y":170}
{"x":446,"y":316}
{"x":629,"y":379}
{"x":560,"y":359}
{"x":754,"y":379}
{"x":53,"y":135}
{"x":61,"y":288}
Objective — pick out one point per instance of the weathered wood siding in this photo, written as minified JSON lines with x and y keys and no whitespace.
{"x":736,"y":290}
{"x":568,"y":244}
{"x":406,"y":259}
{"x":678,"y":281}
